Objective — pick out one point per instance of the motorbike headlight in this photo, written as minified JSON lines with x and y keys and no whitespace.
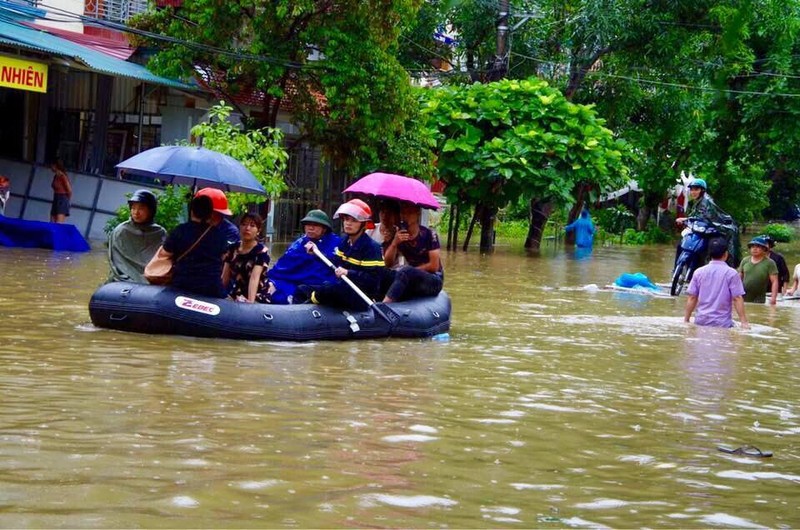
{"x":700,"y":229}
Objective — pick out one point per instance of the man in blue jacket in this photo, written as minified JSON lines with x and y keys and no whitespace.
{"x":297,"y":266}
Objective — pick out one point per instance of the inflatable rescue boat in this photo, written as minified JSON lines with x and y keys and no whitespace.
{"x":163,"y":310}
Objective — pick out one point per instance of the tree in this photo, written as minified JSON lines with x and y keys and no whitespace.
{"x":500,"y":141}
{"x":334,"y":61}
{"x":703,"y":87}
{"x":259,"y":150}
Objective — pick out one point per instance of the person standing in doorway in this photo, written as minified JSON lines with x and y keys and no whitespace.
{"x":714,"y":289}
{"x":758,"y":272}
{"x":62,"y":193}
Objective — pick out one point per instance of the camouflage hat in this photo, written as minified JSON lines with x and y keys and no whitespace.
{"x":318,"y":217}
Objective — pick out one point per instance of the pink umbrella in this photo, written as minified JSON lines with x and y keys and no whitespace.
{"x":390,"y":186}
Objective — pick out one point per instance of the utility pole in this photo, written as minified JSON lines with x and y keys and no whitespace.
{"x":500,"y":65}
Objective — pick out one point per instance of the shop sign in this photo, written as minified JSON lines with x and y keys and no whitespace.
{"x":23,"y":74}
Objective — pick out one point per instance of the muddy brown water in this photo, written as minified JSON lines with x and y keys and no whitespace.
{"x":553,"y":404}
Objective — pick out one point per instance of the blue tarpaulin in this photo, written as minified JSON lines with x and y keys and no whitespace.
{"x":39,"y":234}
{"x":636,"y":279}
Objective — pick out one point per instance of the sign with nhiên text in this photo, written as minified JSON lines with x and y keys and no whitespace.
{"x":23,"y":74}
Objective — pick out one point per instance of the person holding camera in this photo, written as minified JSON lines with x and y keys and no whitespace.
{"x":419,"y":245}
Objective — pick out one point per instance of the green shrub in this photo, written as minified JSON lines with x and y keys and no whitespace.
{"x":511,"y":229}
{"x":172,"y":206}
{"x":615,"y":220}
{"x":653,"y":235}
{"x":779,"y":232}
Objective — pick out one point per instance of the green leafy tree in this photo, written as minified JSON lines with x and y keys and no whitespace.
{"x":333,"y":61}
{"x":698,"y":87}
{"x":500,"y":141}
{"x":259,"y":150}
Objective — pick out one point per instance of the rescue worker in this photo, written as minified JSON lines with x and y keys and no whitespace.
{"x":358,"y":257}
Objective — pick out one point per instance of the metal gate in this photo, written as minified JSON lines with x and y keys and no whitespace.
{"x":312,"y":184}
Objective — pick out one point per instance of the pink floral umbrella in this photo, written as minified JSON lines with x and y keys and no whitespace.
{"x":391,"y":186}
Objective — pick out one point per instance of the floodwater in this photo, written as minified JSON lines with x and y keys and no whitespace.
{"x":553,"y":404}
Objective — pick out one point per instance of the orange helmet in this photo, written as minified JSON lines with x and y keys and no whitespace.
{"x":218,"y":199}
{"x":358,"y":210}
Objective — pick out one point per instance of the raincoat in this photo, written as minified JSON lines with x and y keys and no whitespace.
{"x":584,"y":230}
{"x":297,"y":267}
{"x":707,"y":209}
{"x":130,"y":248}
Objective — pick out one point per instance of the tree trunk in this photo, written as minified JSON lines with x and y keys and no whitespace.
{"x":452,"y":228}
{"x":471,"y":226}
{"x":457,"y":225}
{"x":579,"y":70}
{"x":487,"y":229}
{"x":642,"y":217}
{"x":540,"y":213}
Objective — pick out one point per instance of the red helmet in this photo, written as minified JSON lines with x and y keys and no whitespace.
{"x":358,"y":210}
{"x":218,"y":199}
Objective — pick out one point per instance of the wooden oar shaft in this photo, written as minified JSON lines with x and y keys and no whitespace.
{"x":344,"y":277}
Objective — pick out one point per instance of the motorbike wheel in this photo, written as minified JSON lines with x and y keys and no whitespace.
{"x":679,"y":278}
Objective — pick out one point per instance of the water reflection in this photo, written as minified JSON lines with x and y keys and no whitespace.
{"x":552,"y":405}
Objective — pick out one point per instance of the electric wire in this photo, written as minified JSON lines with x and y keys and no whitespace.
{"x":686,"y":86}
{"x":174,"y":40}
{"x":54,"y":13}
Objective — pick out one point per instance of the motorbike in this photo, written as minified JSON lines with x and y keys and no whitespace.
{"x":694,"y":246}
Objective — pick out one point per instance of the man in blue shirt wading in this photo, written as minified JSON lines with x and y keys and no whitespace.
{"x":714,"y":289}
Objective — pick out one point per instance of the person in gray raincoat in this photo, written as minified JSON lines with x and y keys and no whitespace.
{"x":133,"y":243}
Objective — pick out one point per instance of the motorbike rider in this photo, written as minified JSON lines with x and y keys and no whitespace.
{"x":703,"y":206}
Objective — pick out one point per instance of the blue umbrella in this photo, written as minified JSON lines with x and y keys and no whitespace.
{"x":193,"y":166}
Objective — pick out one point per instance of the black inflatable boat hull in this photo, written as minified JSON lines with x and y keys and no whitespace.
{"x":162,"y":310}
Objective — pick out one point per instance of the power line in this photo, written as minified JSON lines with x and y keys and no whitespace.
{"x":75,"y":17}
{"x":700,"y":88}
{"x":670,"y":84}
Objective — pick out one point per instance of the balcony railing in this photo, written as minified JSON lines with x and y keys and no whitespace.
{"x":114,"y":10}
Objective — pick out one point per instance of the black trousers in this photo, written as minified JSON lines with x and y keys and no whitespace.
{"x":410,"y":282}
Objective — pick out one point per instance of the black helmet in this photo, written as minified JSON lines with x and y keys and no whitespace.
{"x":147,"y":198}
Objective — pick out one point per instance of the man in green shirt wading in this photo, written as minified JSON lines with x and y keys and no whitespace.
{"x":758,"y":272}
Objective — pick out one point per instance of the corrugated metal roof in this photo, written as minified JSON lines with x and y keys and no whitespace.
{"x":118,"y":49}
{"x":14,"y":33}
